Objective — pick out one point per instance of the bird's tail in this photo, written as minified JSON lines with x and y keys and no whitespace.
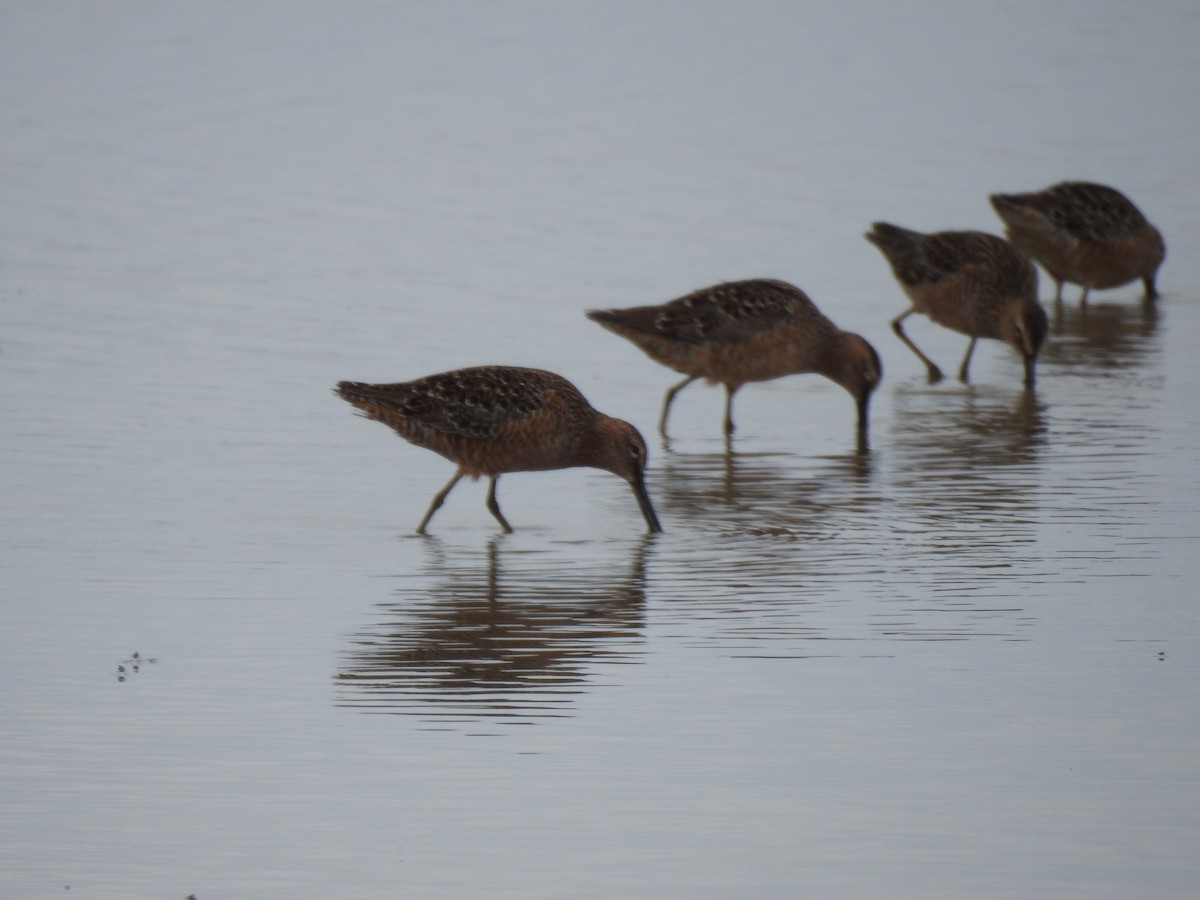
{"x":1019,"y":210}
{"x":894,"y":241}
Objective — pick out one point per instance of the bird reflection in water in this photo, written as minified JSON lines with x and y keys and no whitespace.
{"x":513,"y":637}
{"x":1097,"y":339}
{"x":965,"y":480}
{"x":767,"y":493}
{"x":964,"y":499}
{"x":946,"y":448}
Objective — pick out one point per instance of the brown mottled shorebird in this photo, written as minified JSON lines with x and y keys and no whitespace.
{"x":489,"y":420}
{"x":968,"y":281}
{"x":1084,"y":233}
{"x":745,"y":331}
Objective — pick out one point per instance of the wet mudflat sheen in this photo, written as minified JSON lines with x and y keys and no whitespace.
{"x":963,"y":663}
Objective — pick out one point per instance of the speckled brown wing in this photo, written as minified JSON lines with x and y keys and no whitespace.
{"x":475,"y":403}
{"x":1083,"y":210}
{"x":729,"y":313}
{"x":923,"y":259}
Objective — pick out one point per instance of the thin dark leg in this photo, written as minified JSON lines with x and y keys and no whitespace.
{"x":668,"y":399}
{"x":730,"y":390}
{"x":494,"y":507}
{"x":1058,"y":290}
{"x":1151,"y":290}
{"x":438,"y":499}
{"x":1083,"y":296}
{"x":935,"y":374}
{"x":966,"y":363}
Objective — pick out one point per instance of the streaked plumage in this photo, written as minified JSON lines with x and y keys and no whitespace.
{"x":489,"y":420}
{"x":745,"y":331}
{"x":1084,"y":233}
{"x":968,"y":281}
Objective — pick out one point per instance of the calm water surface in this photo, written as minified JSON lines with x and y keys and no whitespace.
{"x":966,"y":663}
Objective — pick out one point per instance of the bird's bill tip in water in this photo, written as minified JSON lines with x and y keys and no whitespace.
{"x":643,"y":499}
{"x":1030,"y":377}
{"x":862,"y":442}
{"x":863,"y":426}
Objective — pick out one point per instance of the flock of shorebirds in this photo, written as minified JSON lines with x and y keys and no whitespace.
{"x":489,"y":420}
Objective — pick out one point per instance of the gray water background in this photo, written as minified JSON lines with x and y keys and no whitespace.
{"x":963,"y":665}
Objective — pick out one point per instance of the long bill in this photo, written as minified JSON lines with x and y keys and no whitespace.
{"x":639,"y":490}
{"x":1030,"y":363}
{"x":864,"y":443}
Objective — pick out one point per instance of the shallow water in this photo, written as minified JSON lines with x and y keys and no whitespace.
{"x":962,"y":664}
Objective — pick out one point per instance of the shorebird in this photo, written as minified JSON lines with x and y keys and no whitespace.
{"x":968,"y":281}
{"x":1087,"y":234}
{"x":489,"y":420}
{"x":744,"y":331}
